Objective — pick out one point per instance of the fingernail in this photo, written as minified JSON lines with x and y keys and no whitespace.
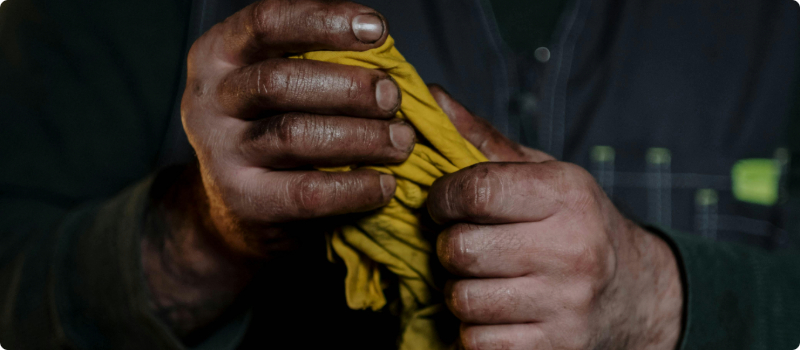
{"x":367,"y":28}
{"x":386,"y":94}
{"x":402,"y":136}
{"x":388,"y":185}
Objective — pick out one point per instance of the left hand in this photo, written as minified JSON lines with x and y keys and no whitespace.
{"x":547,"y":260}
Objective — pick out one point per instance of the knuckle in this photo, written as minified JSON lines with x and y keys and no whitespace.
{"x":326,"y":20}
{"x":369,"y":135}
{"x":200,"y":48}
{"x":587,"y":260}
{"x":195,"y":51}
{"x":298,"y":135}
{"x":556,"y":174}
{"x":309,"y":194}
{"x":577,"y":180}
{"x":359,"y":85}
{"x":264,"y":83}
{"x":580,"y":298}
{"x":572,"y":186}
{"x":453,"y":252}
{"x":266,"y":17}
{"x":277,"y":79}
{"x":592,"y":269}
{"x":290,"y":133}
{"x":246,"y":83}
{"x":287,"y":129}
{"x":473,"y":192}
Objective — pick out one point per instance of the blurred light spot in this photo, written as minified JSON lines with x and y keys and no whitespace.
{"x":542,"y":54}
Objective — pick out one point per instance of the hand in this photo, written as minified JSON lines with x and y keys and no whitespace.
{"x":547,"y":260}
{"x":259,"y":122}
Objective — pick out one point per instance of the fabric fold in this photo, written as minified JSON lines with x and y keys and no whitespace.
{"x":388,"y":248}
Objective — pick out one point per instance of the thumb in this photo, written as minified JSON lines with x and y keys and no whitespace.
{"x":493,"y":144}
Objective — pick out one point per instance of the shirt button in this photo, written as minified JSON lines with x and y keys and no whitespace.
{"x":542,"y":54}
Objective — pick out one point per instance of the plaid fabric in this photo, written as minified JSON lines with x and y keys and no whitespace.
{"x":660,"y":114}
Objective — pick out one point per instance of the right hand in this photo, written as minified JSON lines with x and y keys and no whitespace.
{"x":258,"y":120}
{"x":259,"y":123}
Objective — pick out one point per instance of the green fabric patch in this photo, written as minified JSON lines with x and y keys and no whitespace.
{"x":756,"y":181}
{"x":658,"y":155}
{"x":602,"y":154}
{"x":705,"y":197}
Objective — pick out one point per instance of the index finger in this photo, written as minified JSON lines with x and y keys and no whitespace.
{"x":501,"y":193}
{"x":276,"y":28}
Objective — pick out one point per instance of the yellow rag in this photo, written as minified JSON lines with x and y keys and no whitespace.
{"x":392,"y":237}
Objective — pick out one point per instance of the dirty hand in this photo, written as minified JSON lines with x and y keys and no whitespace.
{"x":259,"y":123}
{"x":545,"y":259}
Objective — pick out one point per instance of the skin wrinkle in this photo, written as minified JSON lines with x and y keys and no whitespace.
{"x":316,"y":19}
{"x":449,"y":199}
{"x":307,"y":195}
{"x":588,"y":267}
{"x":284,"y":133}
{"x":260,"y":84}
{"x":317,"y":135}
{"x":254,"y":205}
{"x":463,"y":248}
{"x":326,"y":137}
{"x":290,"y":83}
{"x":503,"y":191}
{"x":258,"y":24}
{"x":353,"y":87}
{"x":508,"y":244}
{"x":305,"y":133}
{"x":481,"y":187}
{"x":368,"y":140}
{"x":215,"y":141}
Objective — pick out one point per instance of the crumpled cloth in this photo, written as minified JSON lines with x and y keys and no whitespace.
{"x":392,"y":239}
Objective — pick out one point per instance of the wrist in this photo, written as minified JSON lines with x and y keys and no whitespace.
{"x":192,"y":277}
{"x":660,"y":293}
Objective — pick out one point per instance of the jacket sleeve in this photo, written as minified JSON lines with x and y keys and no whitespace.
{"x":737,"y":297}
{"x":86,"y":92}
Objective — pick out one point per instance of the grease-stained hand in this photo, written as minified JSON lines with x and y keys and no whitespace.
{"x":545,"y":259}
{"x":258,"y":120}
{"x":260,"y":123}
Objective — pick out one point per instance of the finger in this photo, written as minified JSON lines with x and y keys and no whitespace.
{"x":501,"y":301}
{"x":504,"y":337}
{"x":257,"y":195}
{"x":495,"y":193}
{"x":493,"y":251}
{"x":524,"y":249}
{"x":295,"y":139}
{"x":493,"y":144}
{"x":275,"y":28}
{"x":308,"y":86}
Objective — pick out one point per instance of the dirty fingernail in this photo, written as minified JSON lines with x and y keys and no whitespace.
{"x":386,"y":94}
{"x":367,"y":28}
{"x":388,"y":185}
{"x":402,"y":136}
